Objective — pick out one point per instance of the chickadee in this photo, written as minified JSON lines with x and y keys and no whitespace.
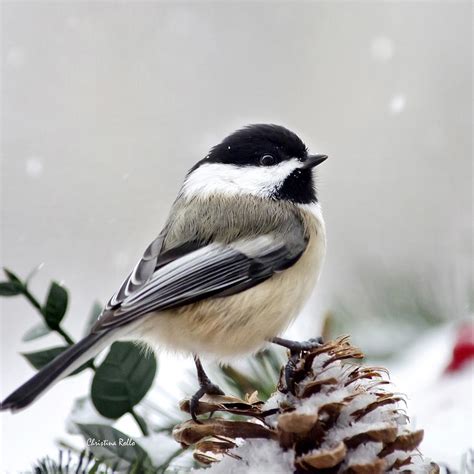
{"x":235,"y":262}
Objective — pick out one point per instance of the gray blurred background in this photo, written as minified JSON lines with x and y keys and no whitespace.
{"x":106,"y":105}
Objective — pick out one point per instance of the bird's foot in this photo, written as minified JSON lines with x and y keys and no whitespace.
{"x":295,"y":348}
{"x":206,"y":387}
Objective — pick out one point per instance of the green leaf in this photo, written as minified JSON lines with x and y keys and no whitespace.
{"x":141,"y":423}
{"x":10,"y":288}
{"x":122,"y":379}
{"x":35,"y":332}
{"x":12,"y":277}
{"x":115,"y":448}
{"x":56,"y":305}
{"x":95,"y":467}
{"x":39,"y":359}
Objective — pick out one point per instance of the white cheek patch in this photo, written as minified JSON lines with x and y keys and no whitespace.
{"x":212,"y":178}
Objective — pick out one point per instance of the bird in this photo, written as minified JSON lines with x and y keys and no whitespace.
{"x":238,"y":257}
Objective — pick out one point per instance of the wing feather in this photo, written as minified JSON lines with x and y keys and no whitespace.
{"x":213,"y":270}
{"x":142,"y":272}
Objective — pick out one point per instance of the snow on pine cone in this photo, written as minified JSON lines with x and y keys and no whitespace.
{"x":335,"y":417}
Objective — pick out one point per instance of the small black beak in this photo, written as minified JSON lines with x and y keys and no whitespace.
{"x":313,"y":160}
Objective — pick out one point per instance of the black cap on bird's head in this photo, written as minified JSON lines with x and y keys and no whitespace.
{"x":248,"y":145}
{"x":262,"y":159}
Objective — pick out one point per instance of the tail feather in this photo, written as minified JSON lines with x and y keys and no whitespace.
{"x":58,"y":368}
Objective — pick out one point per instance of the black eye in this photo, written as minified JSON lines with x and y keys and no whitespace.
{"x":267,"y":160}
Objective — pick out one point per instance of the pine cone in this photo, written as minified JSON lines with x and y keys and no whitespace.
{"x":338,"y":417}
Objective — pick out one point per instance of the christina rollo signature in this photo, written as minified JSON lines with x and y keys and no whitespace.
{"x":108,"y":442}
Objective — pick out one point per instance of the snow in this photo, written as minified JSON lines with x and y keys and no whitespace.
{"x":445,"y":411}
{"x":397,"y":104}
{"x":261,"y":456}
{"x":339,"y":433}
{"x":440,"y":404}
{"x":365,"y":453}
{"x":382,"y":48}
{"x":34,"y":166}
{"x":418,"y":466}
{"x":15,"y":57}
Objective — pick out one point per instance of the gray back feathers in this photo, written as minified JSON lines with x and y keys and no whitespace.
{"x":226,"y":219}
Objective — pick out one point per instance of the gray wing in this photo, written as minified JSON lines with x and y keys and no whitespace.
{"x":213,"y":270}
{"x":142,"y":272}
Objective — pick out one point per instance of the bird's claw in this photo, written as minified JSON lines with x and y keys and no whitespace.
{"x":207,"y":388}
{"x":295,"y":348}
{"x":306,"y":345}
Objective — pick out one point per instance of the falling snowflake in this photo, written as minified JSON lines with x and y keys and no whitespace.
{"x":34,"y":167}
{"x":382,"y":48}
{"x":397,"y":104}
{"x":15,"y":57}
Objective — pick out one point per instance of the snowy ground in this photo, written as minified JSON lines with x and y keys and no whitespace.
{"x":440,"y":403}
